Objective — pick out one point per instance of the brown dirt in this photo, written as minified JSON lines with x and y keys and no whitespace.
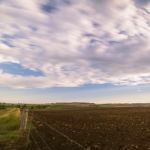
{"x":91,"y":129}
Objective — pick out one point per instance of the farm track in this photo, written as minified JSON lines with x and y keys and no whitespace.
{"x":101,"y":129}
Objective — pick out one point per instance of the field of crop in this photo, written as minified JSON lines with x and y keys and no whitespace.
{"x":91,"y":129}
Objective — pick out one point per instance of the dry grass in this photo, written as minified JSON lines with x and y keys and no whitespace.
{"x":9,"y":124}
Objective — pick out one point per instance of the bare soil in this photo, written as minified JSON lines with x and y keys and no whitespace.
{"x":91,"y":129}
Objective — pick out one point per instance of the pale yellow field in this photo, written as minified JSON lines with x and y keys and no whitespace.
{"x":9,"y":124}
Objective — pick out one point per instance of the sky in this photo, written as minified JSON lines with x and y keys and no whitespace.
{"x":75,"y":50}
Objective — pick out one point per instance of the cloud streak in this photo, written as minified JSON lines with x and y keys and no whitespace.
{"x":76,"y":42}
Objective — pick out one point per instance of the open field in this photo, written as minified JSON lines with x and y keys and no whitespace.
{"x":9,"y":129}
{"x":9,"y":124}
{"x":91,"y":129}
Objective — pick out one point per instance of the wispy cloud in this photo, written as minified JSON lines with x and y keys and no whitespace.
{"x":75,"y":42}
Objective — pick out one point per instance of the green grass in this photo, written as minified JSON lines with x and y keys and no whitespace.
{"x":9,"y":124}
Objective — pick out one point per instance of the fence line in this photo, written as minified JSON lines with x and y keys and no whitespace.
{"x":29,"y":135}
{"x":29,"y":130}
{"x":23,"y":119}
{"x":50,"y":127}
{"x":64,"y":135}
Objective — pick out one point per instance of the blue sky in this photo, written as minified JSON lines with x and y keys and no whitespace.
{"x":93,"y":94}
{"x":17,"y":69}
{"x":75,"y":50}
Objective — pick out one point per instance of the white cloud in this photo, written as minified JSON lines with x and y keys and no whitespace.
{"x":82,"y":41}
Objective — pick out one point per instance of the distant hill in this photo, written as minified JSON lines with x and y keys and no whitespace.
{"x":126,"y":105}
{"x":72,"y":104}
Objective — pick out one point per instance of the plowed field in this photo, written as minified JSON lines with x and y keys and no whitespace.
{"x":91,"y":129}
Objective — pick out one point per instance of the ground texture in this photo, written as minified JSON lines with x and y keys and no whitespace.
{"x":91,"y":129}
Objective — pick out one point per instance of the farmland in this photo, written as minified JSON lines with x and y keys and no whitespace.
{"x":9,"y":124}
{"x":9,"y":127}
{"x":126,"y":128}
